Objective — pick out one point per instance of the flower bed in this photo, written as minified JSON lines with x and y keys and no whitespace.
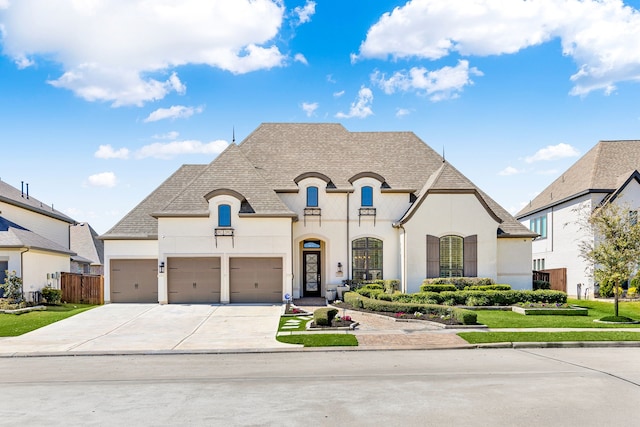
{"x":549,"y":310}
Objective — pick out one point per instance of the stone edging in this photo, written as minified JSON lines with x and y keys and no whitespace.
{"x":24,"y":310}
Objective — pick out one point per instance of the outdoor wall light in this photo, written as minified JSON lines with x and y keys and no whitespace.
{"x":161,"y":266}
{"x":339,"y":267}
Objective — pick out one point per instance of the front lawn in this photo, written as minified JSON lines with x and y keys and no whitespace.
{"x":12,"y":325}
{"x":499,"y":337}
{"x":320,"y":340}
{"x":597,"y":310}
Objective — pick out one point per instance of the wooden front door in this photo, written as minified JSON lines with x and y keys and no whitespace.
{"x":311,"y":275}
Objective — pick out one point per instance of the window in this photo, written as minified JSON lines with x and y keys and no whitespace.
{"x":224,"y":216}
{"x":633,"y":217}
{"x":451,"y":256}
{"x":366,"y":196}
{"x":312,"y":197}
{"x":311,"y":244}
{"x":539,"y":225}
{"x":367,"y":259}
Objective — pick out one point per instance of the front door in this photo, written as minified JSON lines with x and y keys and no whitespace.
{"x":311,"y":274}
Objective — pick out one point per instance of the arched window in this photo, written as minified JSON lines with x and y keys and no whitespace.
{"x":367,"y":259}
{"x":451,"y":256}
{"x":224,"y":216}
{"x":366,"y":196}
{"x":312,"y":197}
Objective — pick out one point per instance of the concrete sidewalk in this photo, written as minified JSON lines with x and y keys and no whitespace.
{"x":131,"y":328}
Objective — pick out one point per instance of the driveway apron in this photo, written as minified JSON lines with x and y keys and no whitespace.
{"x":114,"y":328}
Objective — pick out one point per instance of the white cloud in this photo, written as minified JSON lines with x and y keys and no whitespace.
{"x":123,"y":51}
{"x":338,"y":94}
{"x":553,"y":152}
{"x":509,"y":170}
{"x":298,"y":57}
{"x":304,"y":13}
{"x":173,"y":112}
{"x":330,"y":78}
{"x":4,"y":4}
{"x":104,"y":179}
{"x":172,"y":149}
{"x":107,"y":152}
{"x":361,"y":107}
{"x":401,"y":112}
{"x":599,"y":35}
{"x":169,"y":135}
{"x":445,"y":83}
{"x":309,"y":108}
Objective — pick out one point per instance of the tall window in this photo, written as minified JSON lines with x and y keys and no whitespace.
{"x":539,"y":225}
{"x":367,"y":259}
{"x":366,"y":196}
{"x":312,"y":197}
{"x":633,"y":217}
{"x":451,"y":256}
{"x":224,"y":216}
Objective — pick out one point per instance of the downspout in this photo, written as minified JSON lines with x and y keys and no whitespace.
{"x":291,"y":260}
{"x":348,"y":263}
{"x":22,"y":269}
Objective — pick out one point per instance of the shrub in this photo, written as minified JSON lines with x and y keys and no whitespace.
{"x":488,"y":288}
{"x":437,"y":287}
{"x":12,"y":286}
{"x":324,"y":316}
{"x":541,"y":284}
{"x":477,"y":300}
{"x":632,"y":291}
{"x":606,"y":289}
{"x":52,"y":296}
{"x":354,"y":299}
{"x":459,"y":282}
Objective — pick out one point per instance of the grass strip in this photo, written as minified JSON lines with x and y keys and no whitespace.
{"x":320,"y":340}
{"x":288,"y":323}
{"x":12,"y":325}
{"x":499,"y":337}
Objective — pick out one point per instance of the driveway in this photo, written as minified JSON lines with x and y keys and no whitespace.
{"x":127,"y":328}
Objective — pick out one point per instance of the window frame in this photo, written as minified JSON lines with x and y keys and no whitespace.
{"x":451,"y":265}
{"x":224,"y":213}
{"x":312,"y":196}
{"x":366,"y":196}
{"x":371,"y":265}
{"x":539,"y":226}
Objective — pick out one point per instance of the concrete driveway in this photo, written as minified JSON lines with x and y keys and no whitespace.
{"x":130,"y":328}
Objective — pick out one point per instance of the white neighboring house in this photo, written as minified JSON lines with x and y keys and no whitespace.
{"x":295,"y":209}
{"x":34,"y":239}
{"x":608,"y":173}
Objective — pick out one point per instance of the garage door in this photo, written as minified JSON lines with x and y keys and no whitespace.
{"x":254,"y":280}
{"x":194,"y":280}
{"x":134,"y":280}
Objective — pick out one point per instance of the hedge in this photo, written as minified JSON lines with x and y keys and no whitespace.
{"x":541,"y":284}
{"x":437,"y":288}
{"x":324,"y":316}
{"x":459,"y":282}
{"x":482,"y":298}
{"x":489,"y":288}
{"x":356,"y":300}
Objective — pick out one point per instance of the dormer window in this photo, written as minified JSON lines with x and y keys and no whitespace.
{"x":312,"y":197}
{"x":366,"y":196}
{"x":224,"y":216}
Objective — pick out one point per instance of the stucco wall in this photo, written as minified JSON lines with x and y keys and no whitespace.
{"x":53,"y":229}
{"x":514,"y":264}
{"x":38,"y":264}
{"x":450,"y":214}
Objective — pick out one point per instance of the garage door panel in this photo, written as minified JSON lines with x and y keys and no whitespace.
{"x":194,"y":280}
{"x":255,"y":280}
{"x":134,"y":280}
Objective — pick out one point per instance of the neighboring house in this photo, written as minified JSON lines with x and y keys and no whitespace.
{"x":608,"y":173}
{"x":295,"y":209}
{"x":89,"y":250}
{"x":34,"y":239}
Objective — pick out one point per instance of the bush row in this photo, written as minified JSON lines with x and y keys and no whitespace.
{"x":459,"y":282}
{"x":357,"y":300}
{"x":452,"y":288}
{"x":482,"y":298}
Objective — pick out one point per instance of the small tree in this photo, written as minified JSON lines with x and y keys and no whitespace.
{"x":12,"y":287}
{"x":614,"y":250}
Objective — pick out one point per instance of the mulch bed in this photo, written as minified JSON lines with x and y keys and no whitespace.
{"x":400,"y":316}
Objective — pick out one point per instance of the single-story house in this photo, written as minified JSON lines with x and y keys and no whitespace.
{"x":295,"y":209}
{"x":608,"y":173}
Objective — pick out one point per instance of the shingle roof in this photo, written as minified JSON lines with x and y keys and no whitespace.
{"x":271,"y":158}
{"x":13,"y":196}
{"x":84,"y":241}
{"x":15,"y":236}
{"x":602,"y":169}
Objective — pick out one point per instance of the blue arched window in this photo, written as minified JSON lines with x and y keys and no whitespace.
{"x":366,"y":196}
{"x":224,"y":216}
{"x":312,"y":197}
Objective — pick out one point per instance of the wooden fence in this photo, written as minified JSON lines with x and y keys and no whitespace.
{"x":557,"y":278}
{"x":82,"y":288}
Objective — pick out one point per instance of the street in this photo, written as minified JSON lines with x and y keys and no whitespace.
{"x":497,"y":387}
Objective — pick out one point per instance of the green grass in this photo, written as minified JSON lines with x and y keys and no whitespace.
{"x":496,"y":337}
{"x":301,"y":327}
{"x":597,"y":310}
{"x":12,"y":325}
{"x":320,"y":340}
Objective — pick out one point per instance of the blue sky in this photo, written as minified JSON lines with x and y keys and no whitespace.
{"x":101,"y":100}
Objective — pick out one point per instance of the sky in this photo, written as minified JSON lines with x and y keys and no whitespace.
{"x":102,"y":100}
